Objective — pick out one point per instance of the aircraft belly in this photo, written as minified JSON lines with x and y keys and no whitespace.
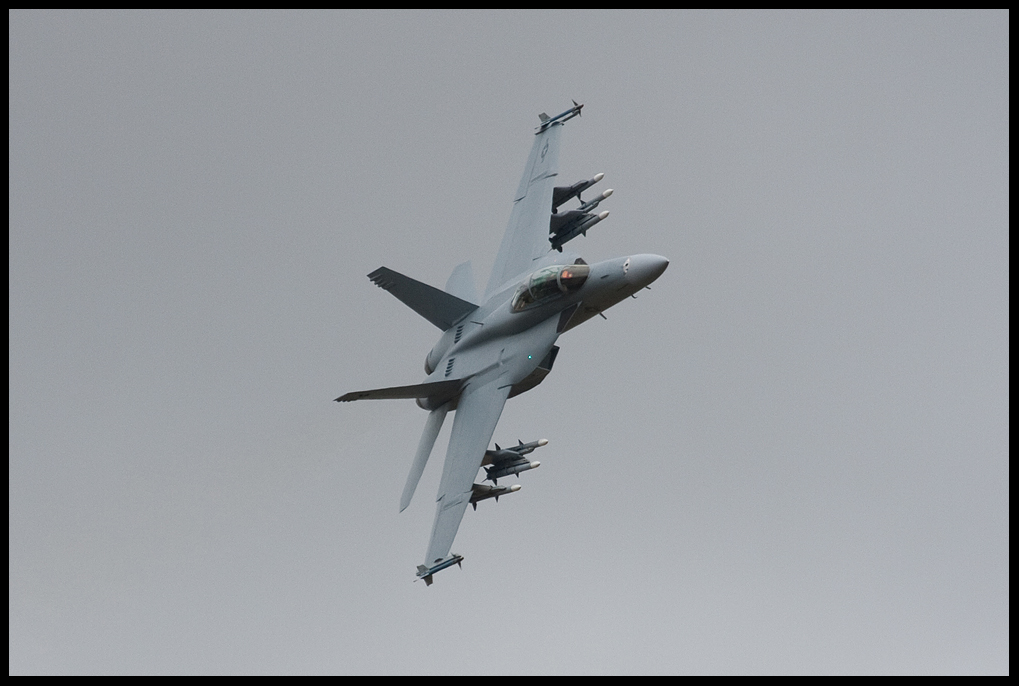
{"x":537,"y":376}
{"x":503,"y":363}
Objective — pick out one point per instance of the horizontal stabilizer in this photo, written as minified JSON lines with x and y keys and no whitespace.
{"x":461,"y":283}
{"x":440,"y":308}
{"x":421,"y":390}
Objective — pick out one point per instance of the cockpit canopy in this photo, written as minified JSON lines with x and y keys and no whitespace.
{"x":548,"y":282}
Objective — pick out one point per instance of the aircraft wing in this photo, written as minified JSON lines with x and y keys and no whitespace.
{"x":526,"y":237}
{"x":477,"y":413}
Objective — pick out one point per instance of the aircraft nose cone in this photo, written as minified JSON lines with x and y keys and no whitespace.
{"x":646,"y":268}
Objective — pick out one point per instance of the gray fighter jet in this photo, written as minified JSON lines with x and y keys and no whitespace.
{"x":503,"y":343}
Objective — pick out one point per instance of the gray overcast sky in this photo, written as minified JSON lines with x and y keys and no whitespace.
{"x":790,"y":456}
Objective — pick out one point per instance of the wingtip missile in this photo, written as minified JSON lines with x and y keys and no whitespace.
{"x":425,"y":572}
{"x":547,"y":121}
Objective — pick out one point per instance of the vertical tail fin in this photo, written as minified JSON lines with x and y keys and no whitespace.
{"x":461,"y":283}
{"x":428,"y":436}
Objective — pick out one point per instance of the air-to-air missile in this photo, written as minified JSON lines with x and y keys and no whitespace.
{"x":561,"y":194}
{"x":568,"y":225}
{"x":484,"y":492}
{"x":505,"y":461}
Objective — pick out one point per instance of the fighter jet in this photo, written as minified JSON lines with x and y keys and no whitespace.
{"x":503,"y":343}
